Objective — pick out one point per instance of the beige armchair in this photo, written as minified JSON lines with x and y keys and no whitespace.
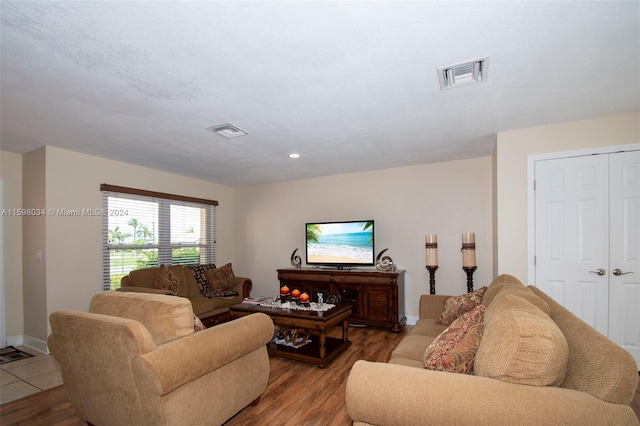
{"x":135,"y":359}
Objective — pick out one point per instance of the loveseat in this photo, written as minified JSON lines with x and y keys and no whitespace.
{"x":135,"y":359}
{"x":536,"y":364}
{"x":211,"y":311}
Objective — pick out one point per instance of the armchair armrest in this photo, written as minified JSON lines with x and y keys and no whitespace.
{"x":246,"y":285}
{"x":388,"y":394}
{"x":181,"y":361}
{"x":145,"y":290}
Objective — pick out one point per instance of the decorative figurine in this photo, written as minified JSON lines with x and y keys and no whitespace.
{"x":296,"y":262}
{"x":384,"y":263}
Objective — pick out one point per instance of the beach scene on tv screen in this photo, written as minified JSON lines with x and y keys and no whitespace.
{"x":350,"y":242}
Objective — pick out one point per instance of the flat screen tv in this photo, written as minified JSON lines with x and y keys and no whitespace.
{"x":340,"y":244}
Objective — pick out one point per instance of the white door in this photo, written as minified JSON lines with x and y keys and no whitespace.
{"x":587,"y":240}
{"x":624,"y":292}
{"x":572,"y":235}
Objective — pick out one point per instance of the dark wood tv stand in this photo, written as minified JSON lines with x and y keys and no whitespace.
{"x":377,"y":298}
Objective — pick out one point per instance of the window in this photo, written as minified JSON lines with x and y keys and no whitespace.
{"x":142,"y":229}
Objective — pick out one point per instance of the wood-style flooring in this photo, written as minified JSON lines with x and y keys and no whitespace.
{"x":297,"y":394}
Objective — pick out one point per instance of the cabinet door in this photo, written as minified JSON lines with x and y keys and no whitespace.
{"x":351,"y":294}
{"x":377,"y":304}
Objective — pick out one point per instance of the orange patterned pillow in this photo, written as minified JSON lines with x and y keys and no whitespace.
{"x":221,"y":279}
{"x":455,"y":348}
{"x":166,"y":280}
{"x":457,"y":305}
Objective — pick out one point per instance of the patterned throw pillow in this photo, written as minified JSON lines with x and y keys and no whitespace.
{"x":221,"y":279}
{"x":200,"y":272}
{"x":458,"y":305}
{"x":166,"y":280}
{"x":455,"y":348}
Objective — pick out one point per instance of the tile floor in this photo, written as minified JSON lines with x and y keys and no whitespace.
{"x":28,"y":376}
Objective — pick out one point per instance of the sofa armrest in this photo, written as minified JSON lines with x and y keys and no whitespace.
{"x":246,"y":285}
{"x":388,"y":394}
{"x":181,"y":361}
{"x":145,"y":290}
{"x":431,"y":305}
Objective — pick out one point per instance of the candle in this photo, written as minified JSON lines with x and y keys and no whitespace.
{"x":469,"y":250}
{"x":431,"y":244}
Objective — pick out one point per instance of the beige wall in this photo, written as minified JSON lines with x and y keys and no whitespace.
{"x":34,"y":284}
{"x":406,"y":203}
{"x":11,"y":175}
{"x":73,"y":255}
{"x":512,"y":151}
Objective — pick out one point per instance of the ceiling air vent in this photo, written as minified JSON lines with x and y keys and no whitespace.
{"x":475,"y":71}
{"x":227,"y":130}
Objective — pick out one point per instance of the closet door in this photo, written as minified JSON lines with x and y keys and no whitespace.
{"x":572,"y":235}
{"x":624,"y":277}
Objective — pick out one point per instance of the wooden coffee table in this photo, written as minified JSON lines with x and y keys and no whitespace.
{"x":321,"y":350}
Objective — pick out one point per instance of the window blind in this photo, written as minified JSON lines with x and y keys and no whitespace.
{"x":143,"y":229}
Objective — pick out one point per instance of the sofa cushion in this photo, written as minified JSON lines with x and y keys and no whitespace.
{"x":204,"y":307}
{"x":521,"y":343}
{"x":166,"y":280}
{"x":427,"y":327}
{"x":457,"y":305}
{"x":508,"y":283}
{"x":412,"y":347}
{"x":146,"y":278}
{"x":498,"y":283}
{"x":221,"y":279}
{"x":455,"y":348}
{"x":165,"y":317}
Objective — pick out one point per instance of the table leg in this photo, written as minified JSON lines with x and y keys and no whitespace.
{"x":345,"y":330}
{"x":323,"y":344}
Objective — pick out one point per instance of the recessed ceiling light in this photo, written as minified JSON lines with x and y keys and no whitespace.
{"x":294,"y":155}
{"x":227,"y":130}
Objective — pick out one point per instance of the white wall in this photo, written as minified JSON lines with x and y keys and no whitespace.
{"x":406,"y":203}
{"x":512,"y":151}
{"x":73,"y":254}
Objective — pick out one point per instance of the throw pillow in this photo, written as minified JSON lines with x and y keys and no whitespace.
{"x":455,"y":348}
{"x":166,"y":280}
{"x":200,"y":274}
{"x":458,"y":305}
{"x":221,"y":279}
{"x":197,"y":324}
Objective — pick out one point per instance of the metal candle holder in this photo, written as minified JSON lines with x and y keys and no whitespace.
{"x":431,"y":246}
{"x":432,"y":279}
{"x":469,"y":270}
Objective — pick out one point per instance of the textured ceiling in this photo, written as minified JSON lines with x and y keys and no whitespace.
{"x":352,"y":86}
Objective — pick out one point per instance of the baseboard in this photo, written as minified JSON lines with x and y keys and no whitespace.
{"x":35,"y":344}
{"x":15,"y":340}
{"x":412,"y":320}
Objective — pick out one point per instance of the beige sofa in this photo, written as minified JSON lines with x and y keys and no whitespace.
{"x":522,"y":376}
{"x":211,"y":311}
{"x":134,"y":359}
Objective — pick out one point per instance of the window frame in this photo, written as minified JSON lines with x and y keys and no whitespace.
{"x":163,"y":244}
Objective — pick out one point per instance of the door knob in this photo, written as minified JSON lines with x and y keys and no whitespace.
{"x":600,"y":271}
{"x":617,"y":272}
